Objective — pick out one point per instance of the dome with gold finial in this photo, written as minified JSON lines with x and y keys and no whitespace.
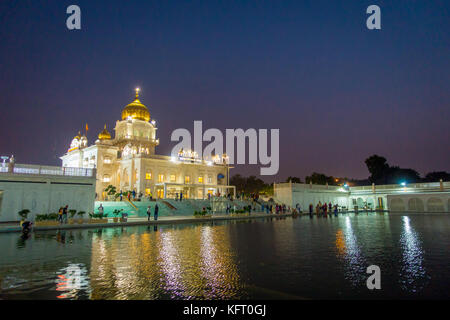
{"x":136,"y":110}
{"x":104,"y":135}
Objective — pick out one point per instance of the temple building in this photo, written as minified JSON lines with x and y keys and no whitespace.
{"x":128,"y":161}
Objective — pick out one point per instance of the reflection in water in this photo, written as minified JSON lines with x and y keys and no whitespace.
{"x":71,"y":280}
{"x":412,"y":271}
{"x":170,"y":265}
{"x":187,"y":263}
{"x":348,"y":249}
{"x":275,"y":258}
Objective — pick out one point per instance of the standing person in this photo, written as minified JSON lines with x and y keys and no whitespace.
{"x":329,"y":207}
{"x":335,"y":210}
{"x":311,"y":210}
{"x":65,"y":213}
{"x":121,"y":195}
{"x":60,"y":215}
{"x":149,"y":213}
{"x":101,"y":210}
{"x":134,"y":194}
{"x":156,"y":212}
{"x":129,"y":195}
{"x":181,"y":196}
{"x":176,"y":196}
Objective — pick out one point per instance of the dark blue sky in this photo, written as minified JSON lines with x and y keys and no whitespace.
{"x":338,"y":91}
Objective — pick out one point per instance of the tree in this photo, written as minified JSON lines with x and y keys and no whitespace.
{"x":397,"y":175}
{"x":249,"y":185}
{"x":436,"y":176}
{"x":293,"y":180}
{"x":320,"y":178}
{"x":378,"y":168}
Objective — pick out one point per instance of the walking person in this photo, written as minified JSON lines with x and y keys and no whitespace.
{"x":149,"y":213}
{"x":65,"y":209}
{"x":60,"y":215}
{"x":101,"y":211}
{"x":311,"y":207}
{"x":156,"y":212}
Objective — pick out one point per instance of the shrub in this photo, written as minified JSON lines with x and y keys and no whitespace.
{"x":41,"y":217}
{"x":52,"y":216}
{"x":72,"y":213}
{"x":24,"y":213}
{"x":110,"y":190}
{"x":116,"y":212}
{"x":81,"y":213}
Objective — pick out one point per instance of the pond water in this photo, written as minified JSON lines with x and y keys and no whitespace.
{"x":273,"y":258}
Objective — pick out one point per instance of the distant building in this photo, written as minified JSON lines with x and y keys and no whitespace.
{"x":416,"y":197}
{"x":128,"y":161}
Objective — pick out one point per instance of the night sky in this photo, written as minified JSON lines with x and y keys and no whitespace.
{"x":337,"y":91}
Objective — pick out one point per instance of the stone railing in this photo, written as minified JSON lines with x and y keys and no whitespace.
{"x":47,"y":170}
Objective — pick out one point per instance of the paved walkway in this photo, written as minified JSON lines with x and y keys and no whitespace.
{"x":135,"y":221}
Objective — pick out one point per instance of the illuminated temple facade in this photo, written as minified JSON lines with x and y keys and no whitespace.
{"x":128,"y":161}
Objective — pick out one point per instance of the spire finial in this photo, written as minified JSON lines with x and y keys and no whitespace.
{"x":105,"y":125}
{"x":137,"y":92}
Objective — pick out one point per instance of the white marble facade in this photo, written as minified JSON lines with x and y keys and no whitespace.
{"x":128,"y":161}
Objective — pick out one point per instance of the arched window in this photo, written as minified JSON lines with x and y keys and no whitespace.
{"x":435,"y":205}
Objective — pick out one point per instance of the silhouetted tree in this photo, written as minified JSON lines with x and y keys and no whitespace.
{"x":397,"y":175}
{"x":378,"y":168}
{"x":320,"y":178}
{"x":293,"y":179}
{"x":436,"y":176}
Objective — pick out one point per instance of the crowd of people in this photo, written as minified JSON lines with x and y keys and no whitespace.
{"x":323,"y":209}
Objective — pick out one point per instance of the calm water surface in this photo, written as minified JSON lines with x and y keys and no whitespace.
{"x":291,"y":258}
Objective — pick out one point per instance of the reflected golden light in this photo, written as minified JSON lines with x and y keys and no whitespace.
{"x":340,"y":242}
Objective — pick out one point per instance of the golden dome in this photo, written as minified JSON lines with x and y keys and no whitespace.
{"x":104,"y":135}
{"x":136,"y":110}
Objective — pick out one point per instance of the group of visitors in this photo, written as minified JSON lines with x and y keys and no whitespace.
{"x":179,"y":196}
{"x":62,"y":214}
{"x":322,"y":210}
{"x":155,"y":212}
{"x":131,"y":195}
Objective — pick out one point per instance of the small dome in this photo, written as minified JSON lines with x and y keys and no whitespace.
{"x":76,"y":142}
{"x":104,"y":135}
{"x":136,"y":110}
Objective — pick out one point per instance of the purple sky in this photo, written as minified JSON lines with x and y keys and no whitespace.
{"x":338,"y":91}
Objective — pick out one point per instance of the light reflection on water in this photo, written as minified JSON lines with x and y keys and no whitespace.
{"x":273,"y":258}
{"x":413,"y":272}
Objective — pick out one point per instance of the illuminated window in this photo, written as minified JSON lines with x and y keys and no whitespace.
{"x":160,"y":178}
{"x":209,"y":179}
{"x":148,"y":176}
{"x":160,"y":193}
{"x":173,"y":178}
{"x":200,"y":179}
{"x":106,"y":178}
{"x":147,"y":191}
{"x":187,"y":179}
{"x":107,"y":160}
